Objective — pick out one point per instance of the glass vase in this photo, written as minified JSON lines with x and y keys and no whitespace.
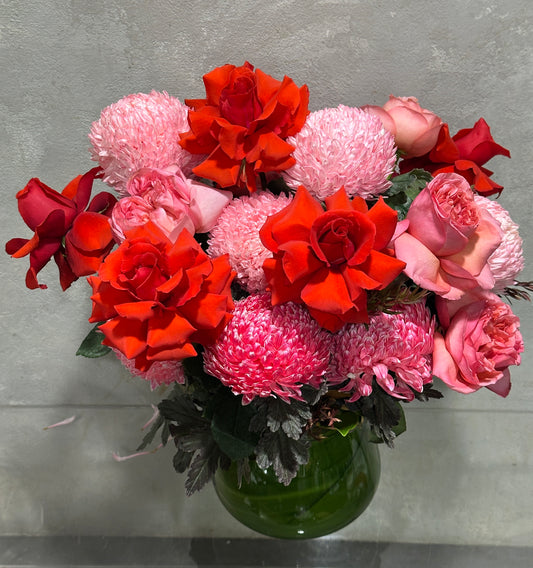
{"x":327,"y":494}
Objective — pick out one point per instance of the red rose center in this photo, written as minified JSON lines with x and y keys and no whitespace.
{"x":338,"y":237}
{"x":141,"y":273}
{"x":238,"y":101}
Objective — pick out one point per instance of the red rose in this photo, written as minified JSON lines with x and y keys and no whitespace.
{"x":242,"y":124}
{"x":463,"y":154}
{"x":328,"y":259}
{"x":158,"y":297}
{"x":77,"y":239}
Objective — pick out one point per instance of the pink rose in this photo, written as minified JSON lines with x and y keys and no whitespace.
{"x":482,"y":339}
{"x":131,"y":212}
{"x":415,"y":128}
{"x":383,"y":115}
{"x":171,"y":201}
{"x":448,"y":239}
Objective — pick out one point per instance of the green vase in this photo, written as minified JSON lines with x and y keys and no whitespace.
{"x":327,"y":494}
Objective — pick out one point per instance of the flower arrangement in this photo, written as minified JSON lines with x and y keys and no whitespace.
{"x":280,"y":273}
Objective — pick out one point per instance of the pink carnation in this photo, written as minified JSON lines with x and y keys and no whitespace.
{"x":170,"y":200}
{"x":394,"y":348}
{"x":508,"y":259}
{"x":236,"y":233}
{"x":140,"y":131}
{"x":342,"y":146}
{"x":269,"y":351}
{"x":160,"y":373}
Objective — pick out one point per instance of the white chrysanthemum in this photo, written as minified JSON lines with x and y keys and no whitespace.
{"x":236,"y":233}
{"x":342,"y":146}
{"x":508,"y":259}
{"x":140,"y":131}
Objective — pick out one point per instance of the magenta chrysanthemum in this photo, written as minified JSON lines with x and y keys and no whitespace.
{"x":508,"y":259}
{"x":394,"y":348}
{"x":160,"y":373}
{"x":269,"y":351}
{"x":140,"y":131}
{"x":342,"y":146}
{"x":236,"y":233}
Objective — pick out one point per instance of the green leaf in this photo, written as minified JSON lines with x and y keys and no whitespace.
{"x":284,"y":454}
{"x":348,"y":422}
{"x":202,"y":468}
{"x":384,"y":413}
{"x":243,"y":471}
{"x":410,"y":183}
{"x":230,"y":426}
{"x":150,"y":435}
{"x":181,"y":410}
{"x":397,"y":429}
{"x":92,"y":346}
{"x":405,"y":188}
{"x":427,"y":393}
{"x":274,"y":414}
{"x":278,"y":186}
{"x":181,"y":461}
{"x":194,"y":441}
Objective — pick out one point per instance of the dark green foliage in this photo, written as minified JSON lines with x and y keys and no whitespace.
{"x":281,"y":444}
{"x":404,"y":189}
{"x":284,"y":454}
{"x":278,"y":186}
{"x":384,"y":413}
{"x":92,"y":346}
{"x":150,"y":435}
{"x":427,"y":393}
{"x":273,"y":414}
{"x":230,"y":426}
{"x":207,"y":456}
{"x":211,"y":428}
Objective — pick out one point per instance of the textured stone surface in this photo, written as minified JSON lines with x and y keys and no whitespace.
{"x":462,"y":473}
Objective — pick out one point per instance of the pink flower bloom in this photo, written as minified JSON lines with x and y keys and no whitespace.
{"x":170,"y":200}
{"x":342,"y":146}
{"x":131,"y":212}
{"x":482,"y":339}
{"x":140,"y":131}
{"x":394,"y":348}
{"x":449,"y":239}
{"x":236,"y":233}
{"x":160,"y":373}
{"x":383,"y":115}
{"x":415,"y":129}
{"x":508,"y":259}
{"x":269,"y":351}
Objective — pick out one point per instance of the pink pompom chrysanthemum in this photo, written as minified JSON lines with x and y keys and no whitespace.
{"x":342,"y":146}
{"x":160,"y":373}
{"x":269,"y":351}
{"x":140,"y":131}
{"x":236,"y":233}
{"x":394,"y":348}
{"x":508,"y":259}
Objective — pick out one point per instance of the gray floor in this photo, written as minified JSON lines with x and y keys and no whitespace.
{"x":248,"y":553}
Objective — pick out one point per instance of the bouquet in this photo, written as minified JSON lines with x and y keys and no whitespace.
{"x":279,"y":273}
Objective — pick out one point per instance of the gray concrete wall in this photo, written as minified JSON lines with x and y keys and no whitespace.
{"x":463,"y":472}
